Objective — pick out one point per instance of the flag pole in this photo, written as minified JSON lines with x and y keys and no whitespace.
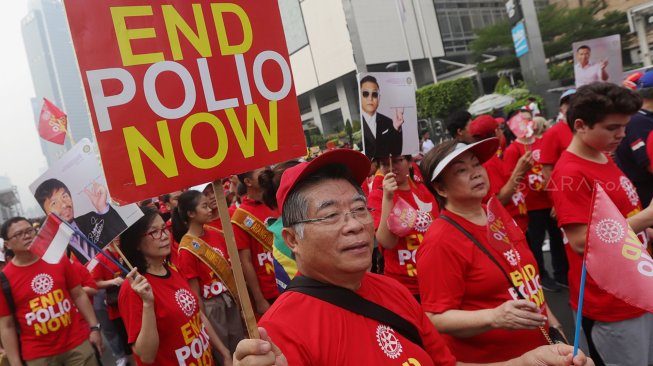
{"x":95,"y":246}
{"x":579,"y":314}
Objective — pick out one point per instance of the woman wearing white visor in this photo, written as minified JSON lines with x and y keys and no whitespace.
{"x":488,"y":309}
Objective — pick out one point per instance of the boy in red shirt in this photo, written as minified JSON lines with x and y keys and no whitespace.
{"x":598,"y":113}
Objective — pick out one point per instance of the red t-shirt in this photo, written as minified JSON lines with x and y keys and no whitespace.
{"x":183,"y":339}
{"x":498,"y":176}
{"x":192,"y":267}
{"x":400,"y":260}
{"x":537,"y":198}
{"x":572,"y":183}
{"x":554,"y":141}
{"x":456,"y":274}
{"x":313,"y":332}
{"x":106,"y":270}
{"x":261,"y":258}
{"x":49,"y":322}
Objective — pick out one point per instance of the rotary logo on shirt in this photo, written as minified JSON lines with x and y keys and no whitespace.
{"x":388,"y":341}
{"x":186,"y":301}
{"x":42,"y":284}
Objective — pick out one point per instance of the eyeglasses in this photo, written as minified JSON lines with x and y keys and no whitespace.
{"x":156,"y":234}
{"x":21,"y":234}
{"x":366,"y":94}
{"x":360,"y":214}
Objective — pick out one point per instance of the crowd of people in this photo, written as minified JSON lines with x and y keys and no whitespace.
{"x":349,"y":260}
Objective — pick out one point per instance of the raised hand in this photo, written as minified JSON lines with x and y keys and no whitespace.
{"x":97,"y":194}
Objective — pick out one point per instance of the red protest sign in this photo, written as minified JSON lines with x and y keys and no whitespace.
{"x":182,"y":93}
{"x":615,"y":257}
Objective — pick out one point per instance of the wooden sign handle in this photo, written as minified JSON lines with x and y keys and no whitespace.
{"x":236,"y":267}
{"x":117,"y":250}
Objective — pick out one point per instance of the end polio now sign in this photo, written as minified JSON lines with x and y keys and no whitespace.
{"x":182,"y":92}
{"x":520,"y":39}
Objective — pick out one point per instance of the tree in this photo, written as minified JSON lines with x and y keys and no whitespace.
{"x":439,"y":100}
{"x":560,"y":27}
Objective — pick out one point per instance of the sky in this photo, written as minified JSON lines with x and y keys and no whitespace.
{"x":20,"y":152}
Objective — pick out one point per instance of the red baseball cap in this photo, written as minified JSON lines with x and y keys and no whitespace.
{"x":358,"y":164}
{"x":483,"y":125}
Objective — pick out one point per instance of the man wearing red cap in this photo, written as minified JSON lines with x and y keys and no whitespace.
{"x":329,"y":229}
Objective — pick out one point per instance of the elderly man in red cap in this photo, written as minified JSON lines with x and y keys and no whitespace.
{"x":336,"y":312}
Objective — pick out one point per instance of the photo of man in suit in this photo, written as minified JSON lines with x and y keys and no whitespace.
{"x":100,"y":226}
{"x":382,"y":136}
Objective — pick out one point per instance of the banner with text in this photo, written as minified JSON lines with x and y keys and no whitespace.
{"x":182,"y":93}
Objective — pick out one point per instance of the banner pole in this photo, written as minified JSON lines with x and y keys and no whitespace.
{"x":117,"y":250}
{"x":241,"y":286}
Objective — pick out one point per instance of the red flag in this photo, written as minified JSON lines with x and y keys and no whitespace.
{"x":52,"y":240}
{"x":520,"y":127}
{"x":404,"y":218}
{"x":52,"y":123}
{"x":503,"y":233}
{"x":614,"y":256}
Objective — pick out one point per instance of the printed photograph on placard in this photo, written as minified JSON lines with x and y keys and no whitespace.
{"x":75,"y":189}
{"x":388,"y":114}
{"x":598,"y":59}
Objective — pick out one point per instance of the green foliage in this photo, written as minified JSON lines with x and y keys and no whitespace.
{"x":439,"y":100}
{"x":519,"y":93}
{"x":356,"y":125}
{"x":503,"y":85}
{"x":559,"y":27}
{"x":562,"y":70}
{"x":523,"y":101}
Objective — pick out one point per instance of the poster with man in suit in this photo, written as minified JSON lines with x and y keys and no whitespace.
{"x":75,"y":189}
{"x":388,"y":114}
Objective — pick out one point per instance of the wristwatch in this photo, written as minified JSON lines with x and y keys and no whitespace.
{"x":95,"y":327}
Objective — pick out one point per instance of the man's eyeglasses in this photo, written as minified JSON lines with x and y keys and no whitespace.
{"x":360,"y":214}
{"x":366,"y":94}
{"x":156,"y":234}
{"x":21,"y":234}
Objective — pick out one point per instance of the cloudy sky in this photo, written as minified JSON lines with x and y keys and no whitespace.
{"x":20,"y":153}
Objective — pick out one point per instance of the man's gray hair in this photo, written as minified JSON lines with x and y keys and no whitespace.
{"x":295,"y":208}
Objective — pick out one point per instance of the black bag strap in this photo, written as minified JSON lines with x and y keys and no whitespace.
{"x":483,"y":249}
{"x":353,"y":302}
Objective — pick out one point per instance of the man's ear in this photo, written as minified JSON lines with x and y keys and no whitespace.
{"x":289,"y":236}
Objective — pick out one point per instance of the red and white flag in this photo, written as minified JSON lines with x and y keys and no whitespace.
{"x":52,"y":123}
{"x":52,"y":240}
{"x":614,"y":256}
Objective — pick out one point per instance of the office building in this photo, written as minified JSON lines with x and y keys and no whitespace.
{"x":54,"y":70}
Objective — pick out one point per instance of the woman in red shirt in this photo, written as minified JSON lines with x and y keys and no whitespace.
{"x":399,"y":246}
{"x":487,"y":307}
{"x":164,"y":324}
{"x":190,"y":226}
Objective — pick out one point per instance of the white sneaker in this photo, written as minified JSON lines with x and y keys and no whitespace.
{"x":123,"y":361}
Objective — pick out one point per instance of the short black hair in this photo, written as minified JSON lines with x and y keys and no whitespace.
{"x":369,"y":79}
{"x":458,"y":120}
{"x":243,"y":176}
{"x":593,"y":102}
{"x":4,"y":230}
{"x":584,"y":47}
{"x":47,"y":188}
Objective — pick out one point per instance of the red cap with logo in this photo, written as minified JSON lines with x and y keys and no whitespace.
{"x":358,"y":164}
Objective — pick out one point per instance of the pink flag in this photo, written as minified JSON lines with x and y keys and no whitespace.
{"x":614,"y":256}
{"x":520,"y":127}
{"x":52,"y":123}
{"x":404,"y":218}
{"x":52,"y":240}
